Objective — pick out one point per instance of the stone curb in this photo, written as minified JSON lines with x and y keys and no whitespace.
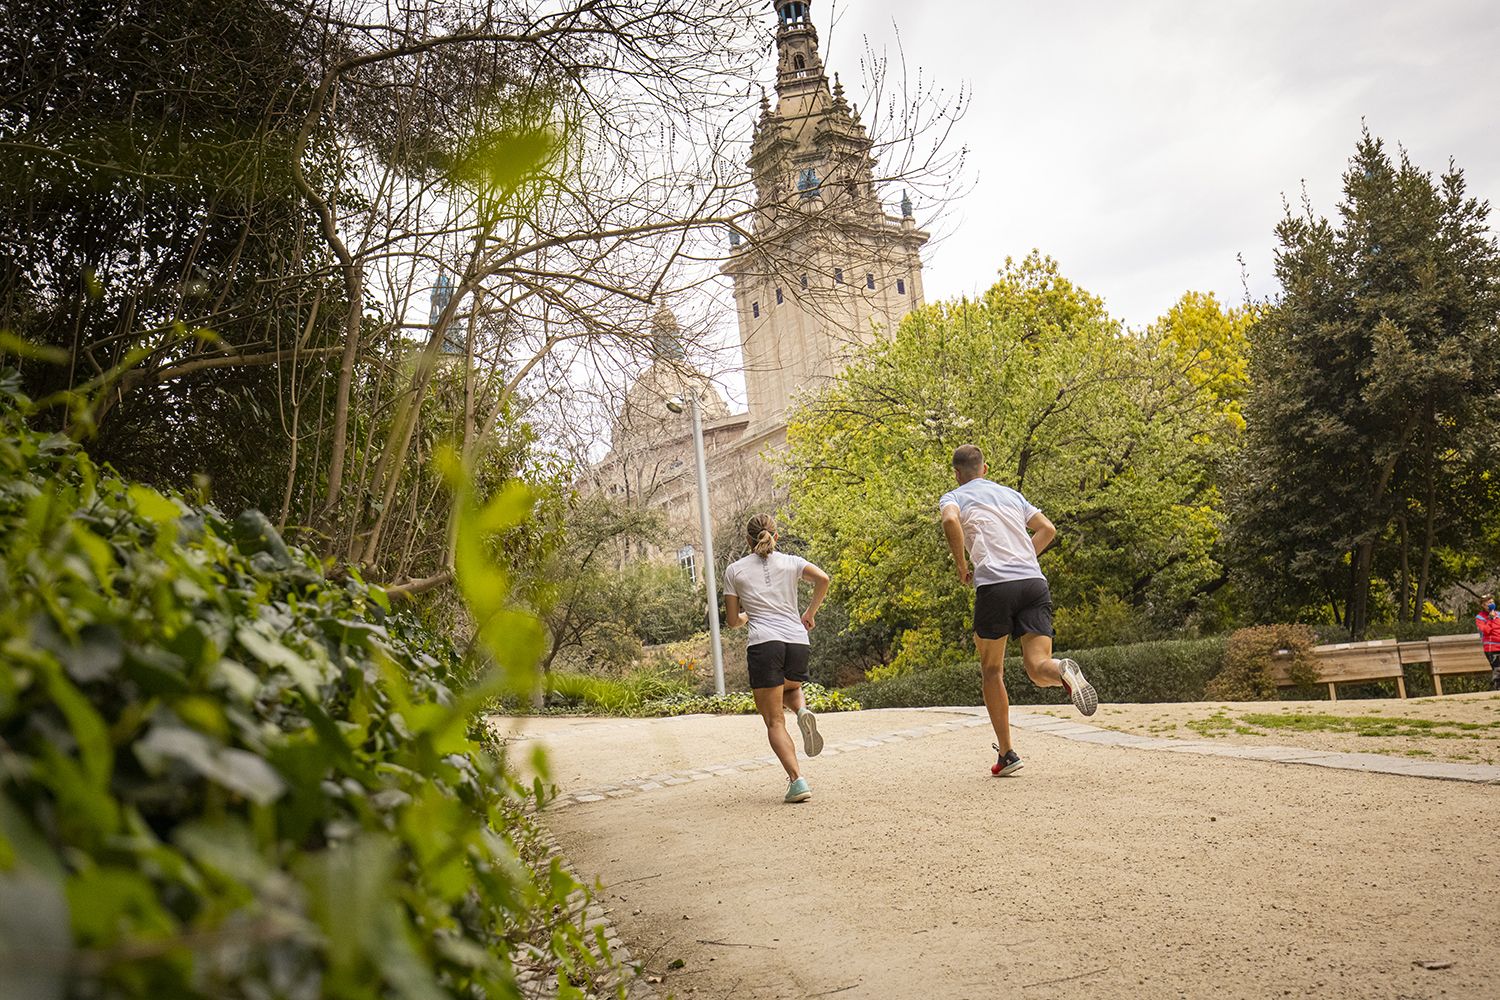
{"x":636,"y":786}
{"x":535,"y":984}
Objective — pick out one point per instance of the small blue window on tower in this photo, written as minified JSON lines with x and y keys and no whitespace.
{"x":755,"y":309}
{"x":900,"y":286}
{"x":807,"y":182}
{"x":778,"y":297}
{"x":838,"y":276}
{"x":804,"y":281}
{"x":869,"y":279}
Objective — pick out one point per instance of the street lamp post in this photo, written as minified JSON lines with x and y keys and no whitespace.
{"x":706,"y":527}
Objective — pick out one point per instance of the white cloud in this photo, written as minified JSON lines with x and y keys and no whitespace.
{"x":1145,"y":144}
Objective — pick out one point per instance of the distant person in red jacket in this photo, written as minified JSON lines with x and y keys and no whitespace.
{"x":1488,"y":623}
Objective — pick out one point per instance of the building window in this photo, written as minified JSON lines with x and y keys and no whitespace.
{"x":869,"y":280}
{"x":804,"y":281}
{"x":688,"y":560}
{"x":799,"y":63}
{"x":755,"y":309}
{"x":838,"y":276}
{"x":900,"y":286}
{"x":779,"y":299}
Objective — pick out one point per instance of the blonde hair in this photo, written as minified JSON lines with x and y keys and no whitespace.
{"x":760,"y":534}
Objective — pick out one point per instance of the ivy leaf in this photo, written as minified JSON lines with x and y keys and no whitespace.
{"x":237,"y":770}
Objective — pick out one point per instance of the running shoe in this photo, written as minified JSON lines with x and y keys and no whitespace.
{"x":798,"y":791}
{"x":812,"y":743}
{"x":1009,"y":762}
{"x":1078,"y":687}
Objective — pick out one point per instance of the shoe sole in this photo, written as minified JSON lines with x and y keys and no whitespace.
{"x":1085,"y":698}
{"x":799,"y":797}
{"x":1007,"y":769}
{"x":812,"y":742}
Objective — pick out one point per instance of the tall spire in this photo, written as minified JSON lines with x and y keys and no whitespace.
{"x":799,"y":67}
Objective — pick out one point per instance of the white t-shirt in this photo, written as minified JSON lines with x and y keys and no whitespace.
{"x":994,"y":521}
{"x":767,"y":590}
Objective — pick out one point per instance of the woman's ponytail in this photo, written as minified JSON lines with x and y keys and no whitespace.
{"x":760,"y":535}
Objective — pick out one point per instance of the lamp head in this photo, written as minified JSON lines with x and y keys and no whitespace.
{"x":676,"y":405}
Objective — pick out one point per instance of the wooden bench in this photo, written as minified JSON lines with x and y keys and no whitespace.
{"x":1350,"y":662}
{"x":1455,"y":654}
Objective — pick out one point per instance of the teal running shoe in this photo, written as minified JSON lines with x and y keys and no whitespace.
{"x":798,"y":791}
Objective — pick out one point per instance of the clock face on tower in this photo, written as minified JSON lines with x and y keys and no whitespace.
{"x":807,"y":182}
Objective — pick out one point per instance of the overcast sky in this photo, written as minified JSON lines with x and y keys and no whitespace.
{"x":1145,"y":144}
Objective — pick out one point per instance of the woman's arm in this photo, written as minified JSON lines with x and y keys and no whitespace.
{"x":732,"y":616}
{"x":819,"y":581}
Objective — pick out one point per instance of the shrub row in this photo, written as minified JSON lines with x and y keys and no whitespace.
{"x":1140,"y":672}
{"x":650,"y":692}
{"x":224,"y":775}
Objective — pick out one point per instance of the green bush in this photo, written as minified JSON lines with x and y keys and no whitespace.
{"x":1250,"y":656}
{"x":819,"y":699}
{"x":224,"y":775}
{"x":1141,"y":672}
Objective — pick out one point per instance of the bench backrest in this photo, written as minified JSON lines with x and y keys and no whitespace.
{"x":1349,"y":661}
{"x":1457,"y":654}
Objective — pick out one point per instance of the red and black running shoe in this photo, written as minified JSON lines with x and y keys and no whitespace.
{"x":1009,"y":762}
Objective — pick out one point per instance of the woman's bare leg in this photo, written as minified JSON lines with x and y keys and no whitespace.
{"x":771,"y":704}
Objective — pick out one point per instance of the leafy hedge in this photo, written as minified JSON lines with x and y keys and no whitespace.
{"x":652,"y":692}
{"x":223,"y":775}
{"x":1140,"y":672}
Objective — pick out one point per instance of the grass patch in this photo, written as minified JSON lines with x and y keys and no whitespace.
{"x":1366,"y":725}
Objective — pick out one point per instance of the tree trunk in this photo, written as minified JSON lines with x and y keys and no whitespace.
{"x":1430,"y":528}
{"x":1405,"y":591}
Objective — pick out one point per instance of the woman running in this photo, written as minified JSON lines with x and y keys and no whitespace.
{"x":761,"y":588}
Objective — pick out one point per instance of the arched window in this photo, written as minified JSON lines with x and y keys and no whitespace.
{"x":755,"y":309}
{"x":799,"y":63}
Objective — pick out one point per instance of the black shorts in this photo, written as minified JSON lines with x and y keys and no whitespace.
{"x":1013,"y":609}
{"x":774,"y":663}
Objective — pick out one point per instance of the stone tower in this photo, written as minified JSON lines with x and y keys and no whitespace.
{"x":825,"y":270}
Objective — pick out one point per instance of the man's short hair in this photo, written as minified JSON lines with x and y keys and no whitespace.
{"x":968,"y":460}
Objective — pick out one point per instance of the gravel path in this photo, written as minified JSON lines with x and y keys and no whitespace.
{"x":1102,"y":869}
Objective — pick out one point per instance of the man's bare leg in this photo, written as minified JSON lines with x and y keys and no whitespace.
{"x":1036,"y":655}
{"x":1046,"y":671}
{"x":996,"y":699}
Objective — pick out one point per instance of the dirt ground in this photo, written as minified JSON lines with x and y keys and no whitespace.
{"x":1460,"y":728}
{"x":1095,"y":871}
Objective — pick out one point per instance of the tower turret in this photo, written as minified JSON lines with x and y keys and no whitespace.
{"x":825,"y":268}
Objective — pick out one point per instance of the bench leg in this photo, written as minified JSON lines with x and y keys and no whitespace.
{"x":1437,"y":683}
{"x":1333,"y":692}
{"x":1401,"y":686}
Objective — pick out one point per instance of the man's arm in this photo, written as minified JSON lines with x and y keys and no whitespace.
{"x":1042,"y":531}
{"x":954,"y":532}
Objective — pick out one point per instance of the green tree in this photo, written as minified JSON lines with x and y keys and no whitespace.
{"x":1111,"y":433}
{"x":1369,"y":376}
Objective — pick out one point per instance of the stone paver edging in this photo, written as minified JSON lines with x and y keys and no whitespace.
{"x":672,"y":778}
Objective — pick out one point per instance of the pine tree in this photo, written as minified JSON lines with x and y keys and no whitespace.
{"x":1370,"y":377}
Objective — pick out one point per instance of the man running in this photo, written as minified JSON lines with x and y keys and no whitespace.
{"x":1004,"y":535}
